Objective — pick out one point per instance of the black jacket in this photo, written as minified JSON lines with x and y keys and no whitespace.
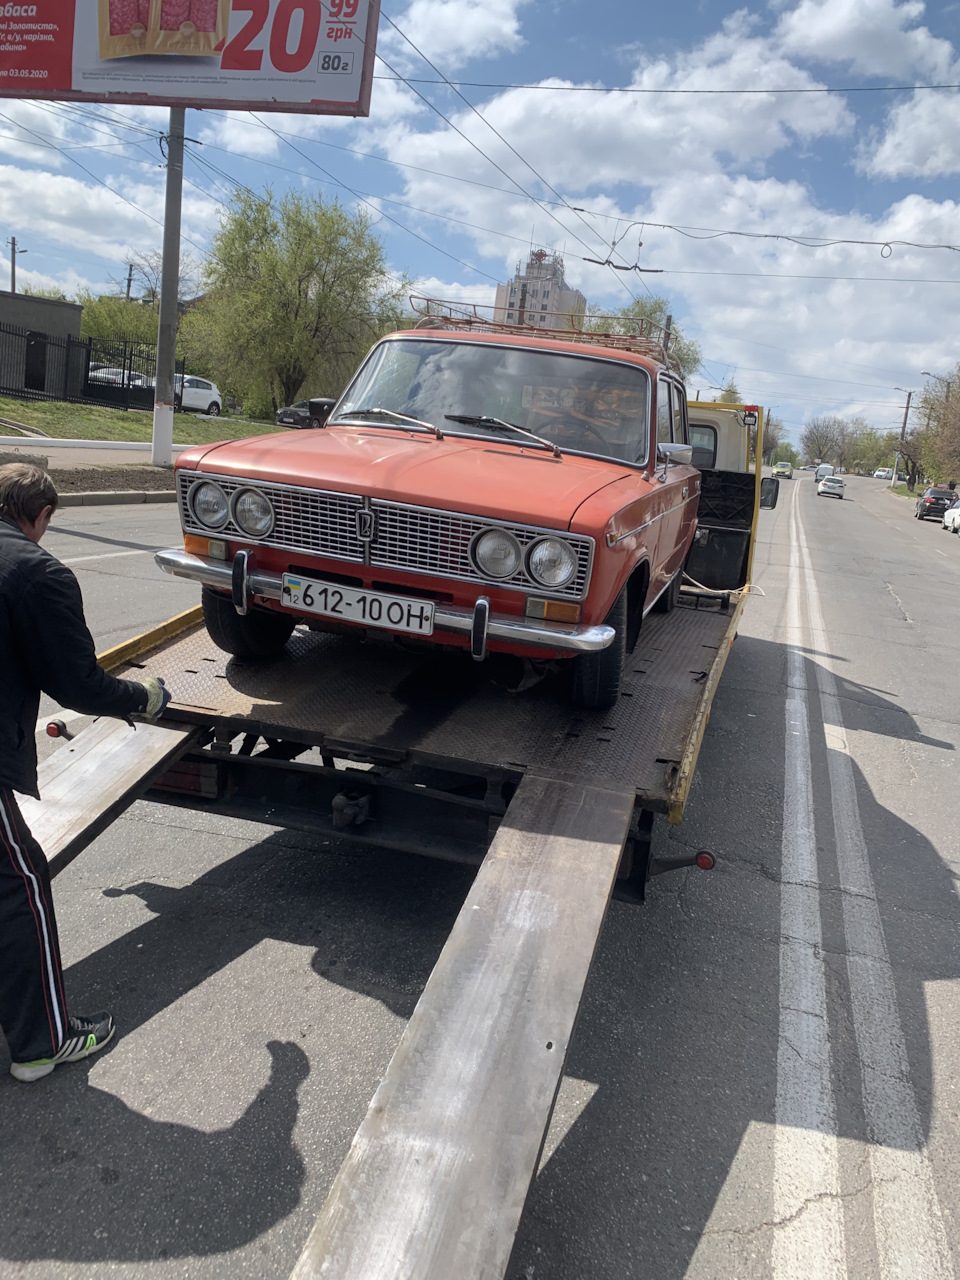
{"x":45,"y":645}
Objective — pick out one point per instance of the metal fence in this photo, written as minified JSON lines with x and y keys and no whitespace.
{"x":114,"y":372}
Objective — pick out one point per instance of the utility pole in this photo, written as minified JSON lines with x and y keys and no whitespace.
{"x":903,"y":432}
{"x":12,"y":242}
{"x":129,"y":279}
{"x":164,"y":394}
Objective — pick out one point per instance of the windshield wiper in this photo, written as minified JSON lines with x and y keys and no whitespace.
{"x":482,"y":420}
{"x":375,"y":411}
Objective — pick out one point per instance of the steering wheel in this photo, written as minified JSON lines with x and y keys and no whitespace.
{"x":584,"y":424}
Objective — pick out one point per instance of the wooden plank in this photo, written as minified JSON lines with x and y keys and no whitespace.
{"x":91,"y":780}
{"x":110,"y":659}
{"x":436,"y":1178}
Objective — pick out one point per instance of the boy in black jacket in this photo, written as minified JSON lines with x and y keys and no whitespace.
{"x":44,"y":646}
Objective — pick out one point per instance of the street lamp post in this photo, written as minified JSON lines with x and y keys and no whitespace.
{"x":947,"y":382}
{"x":903,"y":432}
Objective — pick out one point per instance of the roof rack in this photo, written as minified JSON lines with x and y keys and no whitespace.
{"x":440,"y":313}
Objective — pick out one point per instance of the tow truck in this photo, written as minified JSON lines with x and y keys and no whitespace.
{"x":555,"y":806}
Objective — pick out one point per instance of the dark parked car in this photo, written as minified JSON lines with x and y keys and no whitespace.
{"x":934,"y":502}
{"x":305,"y":413}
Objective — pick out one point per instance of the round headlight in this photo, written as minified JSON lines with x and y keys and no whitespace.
{"x":209,"y":504}
{"x":551,"y":562}
{"x":253,"y":512}
{"x":496,"y":554}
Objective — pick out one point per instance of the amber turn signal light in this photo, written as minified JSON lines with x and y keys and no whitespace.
{"x":552,"y":610}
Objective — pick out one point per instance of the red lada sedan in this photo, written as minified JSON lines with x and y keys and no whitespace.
{"x":479,"y":489}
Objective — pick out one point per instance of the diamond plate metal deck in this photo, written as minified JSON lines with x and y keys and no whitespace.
{"x":377,"y":701}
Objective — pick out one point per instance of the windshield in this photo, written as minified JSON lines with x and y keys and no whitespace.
{"x":579,"y":403}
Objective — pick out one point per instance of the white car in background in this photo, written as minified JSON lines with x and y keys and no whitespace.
{"x":830,"y":487}
{"x":883,"y":473}
{"x":951,"y":517}
{"x":197,"y":395}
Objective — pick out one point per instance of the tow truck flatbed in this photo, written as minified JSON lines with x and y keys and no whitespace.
{"x":378,"y":704}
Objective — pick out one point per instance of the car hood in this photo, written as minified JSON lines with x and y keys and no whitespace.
{"x":478,"y":477}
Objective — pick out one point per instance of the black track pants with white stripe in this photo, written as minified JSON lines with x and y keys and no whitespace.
{"x":33,"y":1012}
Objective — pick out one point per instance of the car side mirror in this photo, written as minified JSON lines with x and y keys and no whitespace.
{"x":680,"y":454}
{"x":769,"y":492}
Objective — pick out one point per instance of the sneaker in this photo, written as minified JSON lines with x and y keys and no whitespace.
{"x":87,"y":1035}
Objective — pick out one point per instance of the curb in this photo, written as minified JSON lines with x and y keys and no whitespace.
{"x":115,"y":497}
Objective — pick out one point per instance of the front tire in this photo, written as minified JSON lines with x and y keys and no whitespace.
{"x":260,"y":633}
{"x":597,"y":676}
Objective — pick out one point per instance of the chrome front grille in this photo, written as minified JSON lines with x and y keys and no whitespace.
{"x":418,"y":540}
{"x":306,"y":519}
{"x":423,"y":540}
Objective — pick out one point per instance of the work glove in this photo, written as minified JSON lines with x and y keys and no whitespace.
{"x":158,"y":695}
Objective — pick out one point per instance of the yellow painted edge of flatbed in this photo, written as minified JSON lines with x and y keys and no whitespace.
{"x":695,"y":739}
{"x":110,"y":659}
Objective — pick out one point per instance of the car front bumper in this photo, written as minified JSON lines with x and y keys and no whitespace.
{"x":479,"y":623}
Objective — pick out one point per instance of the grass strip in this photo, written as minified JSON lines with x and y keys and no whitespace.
{"x":66,"y":421}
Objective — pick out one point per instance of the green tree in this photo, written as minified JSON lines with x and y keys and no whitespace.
{"x":54,"y":294}
{"x":648,"y":317}
{"x":817,"y":438}
{"x":730,"y":393}
{"x":296,"y":291}
{"x":116,"y":319}
{"x":939,"y":412}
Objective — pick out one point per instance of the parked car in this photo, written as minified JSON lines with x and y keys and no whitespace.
{"x":810,"y":466}
{"x":483,"y":491}
{"x":294,"y":415}
{"x":883,"y":473}
{"x":306,"y":413}
{"x":830,"y":487}
{"x":117,"y":377}
{"x":198,"y":395}
{"x":934,"y":502}
{"x":951,"y":517}
{"x":783,"y":469}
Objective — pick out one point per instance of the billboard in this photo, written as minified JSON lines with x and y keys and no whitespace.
{"x":312,"y":56}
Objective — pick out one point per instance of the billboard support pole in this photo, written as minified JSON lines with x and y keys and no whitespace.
{"x":165,"y":391}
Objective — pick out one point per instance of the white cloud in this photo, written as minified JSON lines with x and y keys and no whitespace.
{"x":450,"y":32}
{"x":72,"y":212}
{"x":872,"y":36}
{"x":921,"y":139}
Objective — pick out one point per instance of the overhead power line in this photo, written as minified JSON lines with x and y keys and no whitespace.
{"x":805,"y":241}
{"x":380,"y":212}
{"x":784,"y":275}
{"x":507,"y":144}
{"x":589,"y":88}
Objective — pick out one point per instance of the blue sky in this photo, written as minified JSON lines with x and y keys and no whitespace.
{"x":802,"y":329}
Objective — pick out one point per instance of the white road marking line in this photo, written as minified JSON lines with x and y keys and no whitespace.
{"x":809,"y":1239}
{"x":106,"y":555}
{"x":911,"y":1239}
{"x":939,"y":552}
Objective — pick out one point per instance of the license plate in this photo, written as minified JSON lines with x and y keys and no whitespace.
{"x":367,"y":608}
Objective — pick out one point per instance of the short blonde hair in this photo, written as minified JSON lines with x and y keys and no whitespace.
{"x":25,"y":489}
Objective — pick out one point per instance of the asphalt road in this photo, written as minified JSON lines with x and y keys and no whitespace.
{"x":765,"y":1078}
